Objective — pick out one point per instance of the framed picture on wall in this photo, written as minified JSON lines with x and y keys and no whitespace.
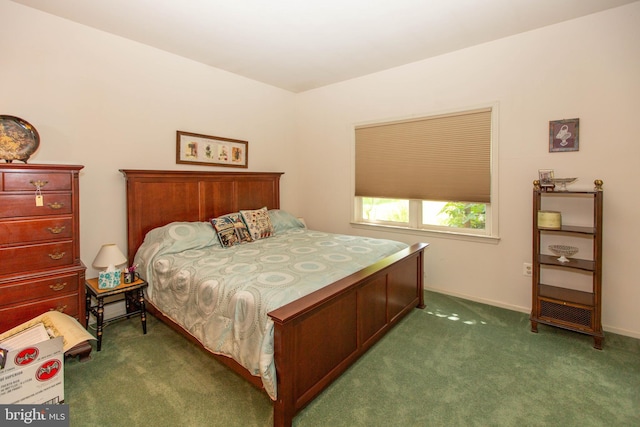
{"x":563,"y":135}
{"x":195,"y":148}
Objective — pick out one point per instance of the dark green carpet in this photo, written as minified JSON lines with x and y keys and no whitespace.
{"x":456,"y":363}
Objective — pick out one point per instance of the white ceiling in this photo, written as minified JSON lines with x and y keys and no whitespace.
{"x":299,"y":45}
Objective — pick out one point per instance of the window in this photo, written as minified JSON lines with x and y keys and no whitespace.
{"x":432,"y":173}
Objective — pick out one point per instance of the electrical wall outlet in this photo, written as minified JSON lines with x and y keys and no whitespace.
{"x":527,"y":269}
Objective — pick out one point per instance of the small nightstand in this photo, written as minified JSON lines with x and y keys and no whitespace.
{"x":133,"y":297}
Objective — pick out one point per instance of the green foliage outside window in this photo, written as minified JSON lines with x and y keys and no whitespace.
{"x":452,"y":214}
{"x":464,"y":215}
{"x":385,"y":209}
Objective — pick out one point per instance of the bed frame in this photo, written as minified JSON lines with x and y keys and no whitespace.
{"x":317,"y":337}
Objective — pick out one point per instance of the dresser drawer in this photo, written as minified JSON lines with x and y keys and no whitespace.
{"x":36,"y":257}
{"x":35,"y":230}
{"x":17,"y":314}
{"x":25,"y":205}
{"x":29,"y":181}
{"x":49,"y":287}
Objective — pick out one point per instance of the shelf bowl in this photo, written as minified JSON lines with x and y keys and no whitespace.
{"x":563,"y":182}
{"x":564,"y":251}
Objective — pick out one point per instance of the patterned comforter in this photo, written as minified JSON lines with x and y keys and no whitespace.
{"x":222,"y":295}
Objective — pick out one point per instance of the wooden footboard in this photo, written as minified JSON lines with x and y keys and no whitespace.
{"x":320,"y":335}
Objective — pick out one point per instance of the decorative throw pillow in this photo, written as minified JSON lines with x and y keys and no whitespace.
{"x":258,"y":223}
{"x":231,"y":230}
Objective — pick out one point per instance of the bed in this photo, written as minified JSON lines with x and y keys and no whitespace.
{"x":315,"y":337}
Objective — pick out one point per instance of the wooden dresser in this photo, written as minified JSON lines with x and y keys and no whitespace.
{"x":40,"y":267}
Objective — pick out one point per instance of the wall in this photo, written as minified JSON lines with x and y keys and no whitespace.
{"x":108,"y":103}
{"x":586,"y":68}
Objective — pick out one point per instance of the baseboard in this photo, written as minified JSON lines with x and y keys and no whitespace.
{"x":527,"y":310}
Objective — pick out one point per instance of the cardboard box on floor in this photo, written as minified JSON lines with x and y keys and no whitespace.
{"x":34,"y":374}
{"x":32,"y":369}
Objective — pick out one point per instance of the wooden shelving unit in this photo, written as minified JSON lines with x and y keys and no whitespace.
{"x":557,"y":305}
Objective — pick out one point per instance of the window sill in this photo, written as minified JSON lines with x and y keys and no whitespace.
{"x":434,"y":233}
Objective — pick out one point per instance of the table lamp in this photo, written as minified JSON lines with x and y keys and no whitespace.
{"x":109,"y":256}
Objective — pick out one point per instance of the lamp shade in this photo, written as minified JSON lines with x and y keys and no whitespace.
{"x":109,"y":255}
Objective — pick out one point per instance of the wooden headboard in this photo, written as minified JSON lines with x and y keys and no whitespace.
{"x":157,"y":197}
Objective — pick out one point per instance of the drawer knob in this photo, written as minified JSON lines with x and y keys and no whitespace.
{"x":58,"y":286}
{"x":57,"y":229}
{"x":38,"y":183}
{"x":57,"y":255}
{"x":55,"y":205}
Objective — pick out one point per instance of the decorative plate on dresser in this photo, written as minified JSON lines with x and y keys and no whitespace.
{"x":40,"y":268}
{"x":18,"y":139}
